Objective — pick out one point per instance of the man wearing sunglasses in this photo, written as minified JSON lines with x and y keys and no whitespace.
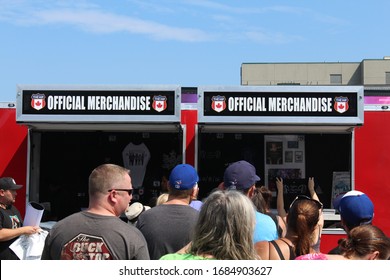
{"x":98,"y":233}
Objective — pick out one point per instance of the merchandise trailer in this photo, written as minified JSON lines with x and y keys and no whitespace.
{"x":56,"y":135}
{"x":72,"y":130}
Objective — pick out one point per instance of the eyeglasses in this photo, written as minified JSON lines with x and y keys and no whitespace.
{"x":304,"y":197}
{"x":129,"y":191}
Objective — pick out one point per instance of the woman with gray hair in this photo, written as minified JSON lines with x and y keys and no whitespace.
{"x":224,"y":230}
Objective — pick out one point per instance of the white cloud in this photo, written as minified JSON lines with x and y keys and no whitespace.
{"x":214,"y":5}
{"x":100,"y":22}
{"x":222,"y":22}
{"x":93,"y":19}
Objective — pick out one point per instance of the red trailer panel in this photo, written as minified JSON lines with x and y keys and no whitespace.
{"x":190,"y":119}
{"x":13,"y":151}
{"x":372,"y":163}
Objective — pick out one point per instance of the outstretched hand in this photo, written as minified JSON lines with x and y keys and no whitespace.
{"x":279,"y":184}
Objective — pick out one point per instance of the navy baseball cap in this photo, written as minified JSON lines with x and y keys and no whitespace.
{"x":240,"y":175}
{"x":8,"y":183}
{"x":183,"y":177}
{"x":355,"y":208}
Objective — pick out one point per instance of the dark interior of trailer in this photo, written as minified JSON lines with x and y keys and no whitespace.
{"x":67,"y":158}
{"x":324,"y":155}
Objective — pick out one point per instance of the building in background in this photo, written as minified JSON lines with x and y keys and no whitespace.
{"x":369,"y":73}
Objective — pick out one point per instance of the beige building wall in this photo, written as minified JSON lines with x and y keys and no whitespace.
{"x":367,"y":72}
{"x":374,"y":71}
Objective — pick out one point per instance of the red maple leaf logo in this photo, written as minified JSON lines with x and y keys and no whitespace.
{"x":341,"y":106}
{"x":219,"y":105}
{"x":159,"y":105}
{"x":38,"y":103}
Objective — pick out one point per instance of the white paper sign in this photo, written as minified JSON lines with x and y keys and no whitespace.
{"x":34,"y":213}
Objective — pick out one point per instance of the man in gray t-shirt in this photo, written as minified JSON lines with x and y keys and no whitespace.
{"x":168,"y":227}
{"x":98,"y":233}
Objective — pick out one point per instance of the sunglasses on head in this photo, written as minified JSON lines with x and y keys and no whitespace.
{"x":129,"y":191}
{"x":304,"y":197}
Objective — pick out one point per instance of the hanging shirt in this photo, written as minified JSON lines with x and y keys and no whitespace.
{"x":136,"y":158}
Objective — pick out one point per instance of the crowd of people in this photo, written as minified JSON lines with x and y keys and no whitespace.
{"x":234,"y":222}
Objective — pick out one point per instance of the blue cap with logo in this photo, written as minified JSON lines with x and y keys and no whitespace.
{"x":183,"y":177}
{"x":240,"y":175}
{"x":355,"y":208}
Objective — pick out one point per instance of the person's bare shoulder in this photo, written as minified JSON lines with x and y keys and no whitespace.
{"x":262,"y":249}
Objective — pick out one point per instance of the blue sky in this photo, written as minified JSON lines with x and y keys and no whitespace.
{"x":172,"y":42}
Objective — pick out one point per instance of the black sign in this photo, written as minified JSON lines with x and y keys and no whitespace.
{"x":291,"y":104}
{"x":101,"y":102}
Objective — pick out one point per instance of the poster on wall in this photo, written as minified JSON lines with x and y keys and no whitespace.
{"x":341,"y":184}
{"x":284,"y":157}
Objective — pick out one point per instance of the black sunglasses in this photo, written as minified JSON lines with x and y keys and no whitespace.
{"x":304,"y":197}
{"x":129,"y":191}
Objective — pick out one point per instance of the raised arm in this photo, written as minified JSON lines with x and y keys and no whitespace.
{"x":279,"y":199}
{"x":313,"y":195}
{"x":310,"y":185}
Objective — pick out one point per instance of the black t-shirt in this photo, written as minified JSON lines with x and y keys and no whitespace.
{"x":9,"y":218}
{"x":335,"y":251}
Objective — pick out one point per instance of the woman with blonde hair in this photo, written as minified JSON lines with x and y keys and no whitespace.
{"x":224,"y":230}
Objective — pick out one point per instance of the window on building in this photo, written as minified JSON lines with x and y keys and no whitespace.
{"x":387,"y":78}
{"x":335,"y":79}
{"x":288,"y":84}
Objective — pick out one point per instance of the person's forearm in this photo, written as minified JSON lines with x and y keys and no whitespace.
{"x":8,"y":234}
{"x":314,"y":195}
{"x":312,"y":191}
{"x":279,"y":199}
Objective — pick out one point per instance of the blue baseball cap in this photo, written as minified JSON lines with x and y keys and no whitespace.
{"x":240,"y":175}
{"x":355,"y":208}
{"x":183,"y":177}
